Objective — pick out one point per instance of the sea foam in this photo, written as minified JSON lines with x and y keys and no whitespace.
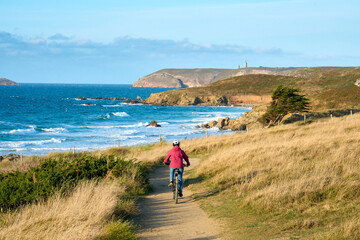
{"x":121,"y":114}
{"x":54,"y":130}
{"x":23,"y":131}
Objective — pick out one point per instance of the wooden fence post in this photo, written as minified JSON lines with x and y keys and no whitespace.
{"x":160,"y":138}
{"x":305,"y":118}
{"x":21,"y":161}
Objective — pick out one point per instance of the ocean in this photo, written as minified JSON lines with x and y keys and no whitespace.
{"x":36,"y":119}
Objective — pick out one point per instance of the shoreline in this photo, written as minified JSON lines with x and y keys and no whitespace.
{"x":98,"y":126}
{"x":118,"y":146}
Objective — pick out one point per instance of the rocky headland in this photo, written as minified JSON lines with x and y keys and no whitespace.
{"x":326,"y":87}
{"x":330,"y":90}
{"x":184,"y":78}
{"x":184,"y":99}
{"x":7,"y":82}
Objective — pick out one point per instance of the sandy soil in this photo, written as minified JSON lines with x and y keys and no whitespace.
{"x":161,"y":218}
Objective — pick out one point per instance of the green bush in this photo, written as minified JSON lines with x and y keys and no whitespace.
{"x":19,"y":188}
{"x":284,"y":101}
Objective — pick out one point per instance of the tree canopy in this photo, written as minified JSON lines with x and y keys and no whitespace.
{"x":284,"y":101}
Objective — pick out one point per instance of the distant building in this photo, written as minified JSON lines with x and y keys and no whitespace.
{"x":245,"y":65}
{"x":238,"y":66}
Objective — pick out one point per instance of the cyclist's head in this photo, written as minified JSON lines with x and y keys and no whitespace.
{"x":176,"y":143}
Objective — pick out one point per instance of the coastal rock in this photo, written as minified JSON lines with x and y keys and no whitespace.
{"x":205,"y":125}
{"x":10,"y":157}
{"x":223,"y":122}
{"x":209,"y":125}
{"x":7,"y":82}
{"x":168,"y":99}
{"x":81,"y":98}
{"x":249,"y":119}
{"x":357,"y":82}
{"x":241,"y":127}
{"x":132,"y":101}
{"x":153,"y":124}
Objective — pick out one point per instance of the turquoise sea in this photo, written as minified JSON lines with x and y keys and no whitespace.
{"x":41,"y":118}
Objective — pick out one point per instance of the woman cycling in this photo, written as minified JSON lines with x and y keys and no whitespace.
{"x":177,"y":155}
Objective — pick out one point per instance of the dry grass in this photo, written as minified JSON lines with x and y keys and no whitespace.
{"x":304,"y":178}
{"x":82,"y":215}
{"x":309,"y":171}
{"x":291,"y":165}
{"x":25,"y":165}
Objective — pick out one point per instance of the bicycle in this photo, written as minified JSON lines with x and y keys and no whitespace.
{"x":176,"y":186}
{"x":176,"y":183}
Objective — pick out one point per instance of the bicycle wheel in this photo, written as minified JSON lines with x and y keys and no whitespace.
{"x":173,"y":190}
{"x":176,"y":188}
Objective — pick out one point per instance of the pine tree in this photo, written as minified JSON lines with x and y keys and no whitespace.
{"x":284,"y":101}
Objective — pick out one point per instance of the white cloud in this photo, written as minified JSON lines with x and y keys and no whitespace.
{"x":129,"y":58}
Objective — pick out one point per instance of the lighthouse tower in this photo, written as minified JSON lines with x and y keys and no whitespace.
{"x":245,"y":65}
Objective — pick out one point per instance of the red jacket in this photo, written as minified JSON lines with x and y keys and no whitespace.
{"x":177,"y":155}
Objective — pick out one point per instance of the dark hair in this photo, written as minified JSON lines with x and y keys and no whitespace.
{"x":176,"y":144}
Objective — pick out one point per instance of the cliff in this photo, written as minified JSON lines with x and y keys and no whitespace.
{"x":184,"y":78}
{"x":327,"y":88}
{"x":7,"y":82}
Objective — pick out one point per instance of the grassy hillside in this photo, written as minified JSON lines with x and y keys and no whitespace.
{"x":183,"y":78}
{"x":327,"y":88}
{"x":288,"y":182}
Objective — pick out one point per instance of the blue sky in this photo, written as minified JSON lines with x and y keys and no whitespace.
{"x":113,"y":41}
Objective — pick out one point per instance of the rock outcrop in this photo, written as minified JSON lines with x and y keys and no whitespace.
{"x":7,"y":82}
{"x":169,"y":99}
{"x":223,"y":122}
{"x":248,"y":120}
{"x":153,"y":124}
{"x":185,"y":100}
{"x":357,"y":82}
{"x":130,"y":101}
{"x":209,"y":125}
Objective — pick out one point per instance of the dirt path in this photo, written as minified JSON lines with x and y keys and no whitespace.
{"x":161,"y":218}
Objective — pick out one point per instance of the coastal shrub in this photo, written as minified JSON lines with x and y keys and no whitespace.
{"x":284,"y":101}
{"x":50,"y":176}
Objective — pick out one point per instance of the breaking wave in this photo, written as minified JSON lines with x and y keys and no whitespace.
{"x":121,"y":114}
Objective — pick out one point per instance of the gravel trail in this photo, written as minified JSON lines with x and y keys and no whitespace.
{"x":161,"y":218}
